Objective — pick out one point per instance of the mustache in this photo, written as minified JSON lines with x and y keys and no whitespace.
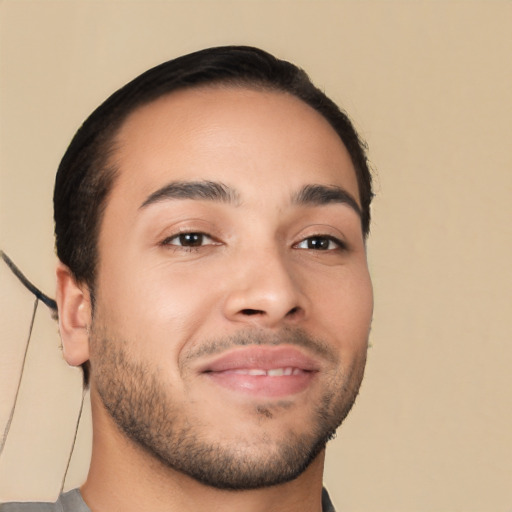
{"x":294,"y":336}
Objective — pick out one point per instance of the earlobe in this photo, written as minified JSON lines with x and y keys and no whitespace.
{"x":74,"y":306}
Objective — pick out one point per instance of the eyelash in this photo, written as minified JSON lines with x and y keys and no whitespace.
{"x":181,"y":237}
{"x":340,"y":245}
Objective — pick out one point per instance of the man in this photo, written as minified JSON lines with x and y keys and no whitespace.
{"x":210,"y":220}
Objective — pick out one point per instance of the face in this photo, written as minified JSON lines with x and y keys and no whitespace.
{"x":233,"y":300}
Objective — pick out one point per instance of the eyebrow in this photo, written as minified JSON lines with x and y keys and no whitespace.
{"x":317,"y":195}
{"x":309,"y":195}
{"x":198,"y":190}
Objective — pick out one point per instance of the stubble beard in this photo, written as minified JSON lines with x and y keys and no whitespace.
{"x":143,"y":408}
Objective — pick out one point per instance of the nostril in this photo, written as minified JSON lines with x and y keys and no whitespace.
{"x":251,"y":312}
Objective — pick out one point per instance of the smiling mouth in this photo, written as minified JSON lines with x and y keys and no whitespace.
{"x":263,"y":383}
{"x":263,"y":371}
{"x":273,"y":372}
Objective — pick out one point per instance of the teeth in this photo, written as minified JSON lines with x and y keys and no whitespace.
{"x":256,"y":372}
{"x":277,"y":372}
{"x":274,"y":372}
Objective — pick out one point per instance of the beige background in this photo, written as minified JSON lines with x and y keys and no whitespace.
{"x":429,"y":85}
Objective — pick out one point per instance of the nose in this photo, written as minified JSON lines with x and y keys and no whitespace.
{"x":264,"y":291}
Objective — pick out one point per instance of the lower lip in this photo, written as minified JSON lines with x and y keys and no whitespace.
{"x":262,"y":385}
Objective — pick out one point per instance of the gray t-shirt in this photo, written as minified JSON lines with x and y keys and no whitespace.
{"x":68,"y":502}
{"x":72,"y":502}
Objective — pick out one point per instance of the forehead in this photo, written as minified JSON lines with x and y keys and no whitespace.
{"x":239,"y":136}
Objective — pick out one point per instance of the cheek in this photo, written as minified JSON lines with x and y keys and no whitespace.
{"x":161,"y":307}
{"x":344,"y":305}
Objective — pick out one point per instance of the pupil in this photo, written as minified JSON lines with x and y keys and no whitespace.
{"x":191,"y":239}
{"x":318,"y":243}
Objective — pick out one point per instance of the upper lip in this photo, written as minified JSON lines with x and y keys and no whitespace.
{"x":260,"y":357}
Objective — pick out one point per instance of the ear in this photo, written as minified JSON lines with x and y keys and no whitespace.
{"x":74,"y":306}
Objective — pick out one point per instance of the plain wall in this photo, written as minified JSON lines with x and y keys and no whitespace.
{"x":428,"y":84}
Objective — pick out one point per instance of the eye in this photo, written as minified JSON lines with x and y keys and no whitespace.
{"x":189,"y":240}
{"x":321,"y":243}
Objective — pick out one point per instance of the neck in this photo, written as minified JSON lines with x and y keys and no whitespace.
{"x":123,"y":476}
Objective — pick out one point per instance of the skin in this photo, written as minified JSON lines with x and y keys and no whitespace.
{"x":258,"y":272}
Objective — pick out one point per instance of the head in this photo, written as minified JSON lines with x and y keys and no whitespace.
{"x":212,"y":217}
{"x":87,"y":171}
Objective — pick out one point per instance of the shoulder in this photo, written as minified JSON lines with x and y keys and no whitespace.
{"x":68,"y":502}
{"x":29,"y":507}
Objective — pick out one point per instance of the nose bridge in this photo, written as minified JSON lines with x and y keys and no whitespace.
{"x":263,"y":288}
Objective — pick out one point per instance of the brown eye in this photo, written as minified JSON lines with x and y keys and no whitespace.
{"x":188,"y":240}
{"x":321,"y":243}
{"x":191,"y":239}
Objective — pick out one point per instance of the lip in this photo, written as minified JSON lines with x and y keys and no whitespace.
{"x":231,"y":370}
